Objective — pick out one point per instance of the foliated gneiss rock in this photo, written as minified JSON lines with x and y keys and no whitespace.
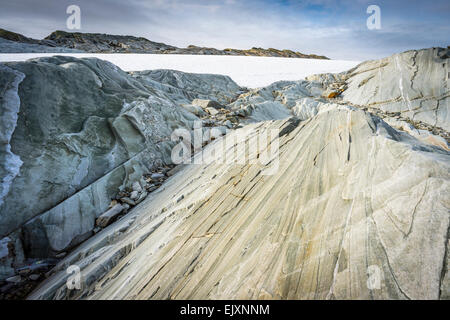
{"x":355,"y":210}
{"x":10,"y":163}
{"x":109,"y":215}
{"x":414,"y":83}
{"x":75,"y":132}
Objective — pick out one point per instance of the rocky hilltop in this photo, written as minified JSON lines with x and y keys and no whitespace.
{"x":71,"y":145}
{"x":106,"y":43}
{"x":11,"y":42}
{"x":259,"y":52}
{"x":354,"y":206}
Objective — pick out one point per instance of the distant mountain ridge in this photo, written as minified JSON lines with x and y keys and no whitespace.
{"x":106,"y":43}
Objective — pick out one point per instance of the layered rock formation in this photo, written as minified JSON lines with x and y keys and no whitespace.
{"x":361,"y":196}
{"x":61,"y":41}
{"x":257,"y":52}
{"x":105,"y":43}
{"x":353,"y":205}
{"x":77,"y":132}
{"x":414,"y":84}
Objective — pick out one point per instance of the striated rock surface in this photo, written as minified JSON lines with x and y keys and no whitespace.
{"x":353,"y":206}
{"x":415,"y":84}
{"x":75,"y":133}
{"x":10,"y":163}
{"x":256,"y":52}
{"x":362,"y":196}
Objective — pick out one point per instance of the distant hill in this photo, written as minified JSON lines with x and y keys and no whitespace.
{"x":11,"y":42}
{"x":106,"y":43}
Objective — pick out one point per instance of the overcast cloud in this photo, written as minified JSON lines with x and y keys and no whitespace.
{"x":336,"y":29}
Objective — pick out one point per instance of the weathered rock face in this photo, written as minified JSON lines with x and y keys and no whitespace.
{"x":275,"y":100}
{"x":413,"y":83}
{"x":409,"y":90}
{"x":353,"y":206}
{"x":74,"y":132}
{"x":257,"y":52}
{"x":11,"y":42}
{"x":186,"y":87}
{"x":97,"y":42}
{"x":362,"y":197}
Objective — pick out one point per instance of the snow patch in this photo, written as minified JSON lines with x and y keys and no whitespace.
{"x":252,"y":72}
{"x":400,"y":83}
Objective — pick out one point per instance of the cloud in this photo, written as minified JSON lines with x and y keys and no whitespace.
{"x":333,"y":28}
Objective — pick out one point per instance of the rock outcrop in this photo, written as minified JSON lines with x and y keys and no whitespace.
{"x":16,"y":37}
{"x":362,"y":196}
{"x":256,"y":52}
{"x":75,"y":133}
{"x":344,"y":198}
{"x":11,"y":42}
{"x":352,"y":206}
{"x":414,"y":84}
{"x":61,"y":41}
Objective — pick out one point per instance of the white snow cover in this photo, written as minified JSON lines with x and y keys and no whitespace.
{"x":249,"y":72}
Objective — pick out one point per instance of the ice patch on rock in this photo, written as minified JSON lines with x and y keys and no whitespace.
{"x":4,"y":247}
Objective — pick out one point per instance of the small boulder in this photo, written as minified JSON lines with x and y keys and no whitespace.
{"x":197,"y":110}
{"x":174,"y":170}
{"x":212,"y":111}
{"x":137,"y":186}
{"x":206,"y":103}
{"x":97,"y":230}
{"x":134,"y":195}
{"x":333,"y":94}
{"x":208,"y":122}
{"x":128,"y":201}
{"x":228,"y":124}
{"x":61,"y":255}
{"x":142,"y":197}
{"x":14,"y":279}
{"x":34,"y":277}
{"x":106,"y":218}
{"x":157,"y":175}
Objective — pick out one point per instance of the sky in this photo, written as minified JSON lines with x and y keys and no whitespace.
{"x":337,"y":29}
